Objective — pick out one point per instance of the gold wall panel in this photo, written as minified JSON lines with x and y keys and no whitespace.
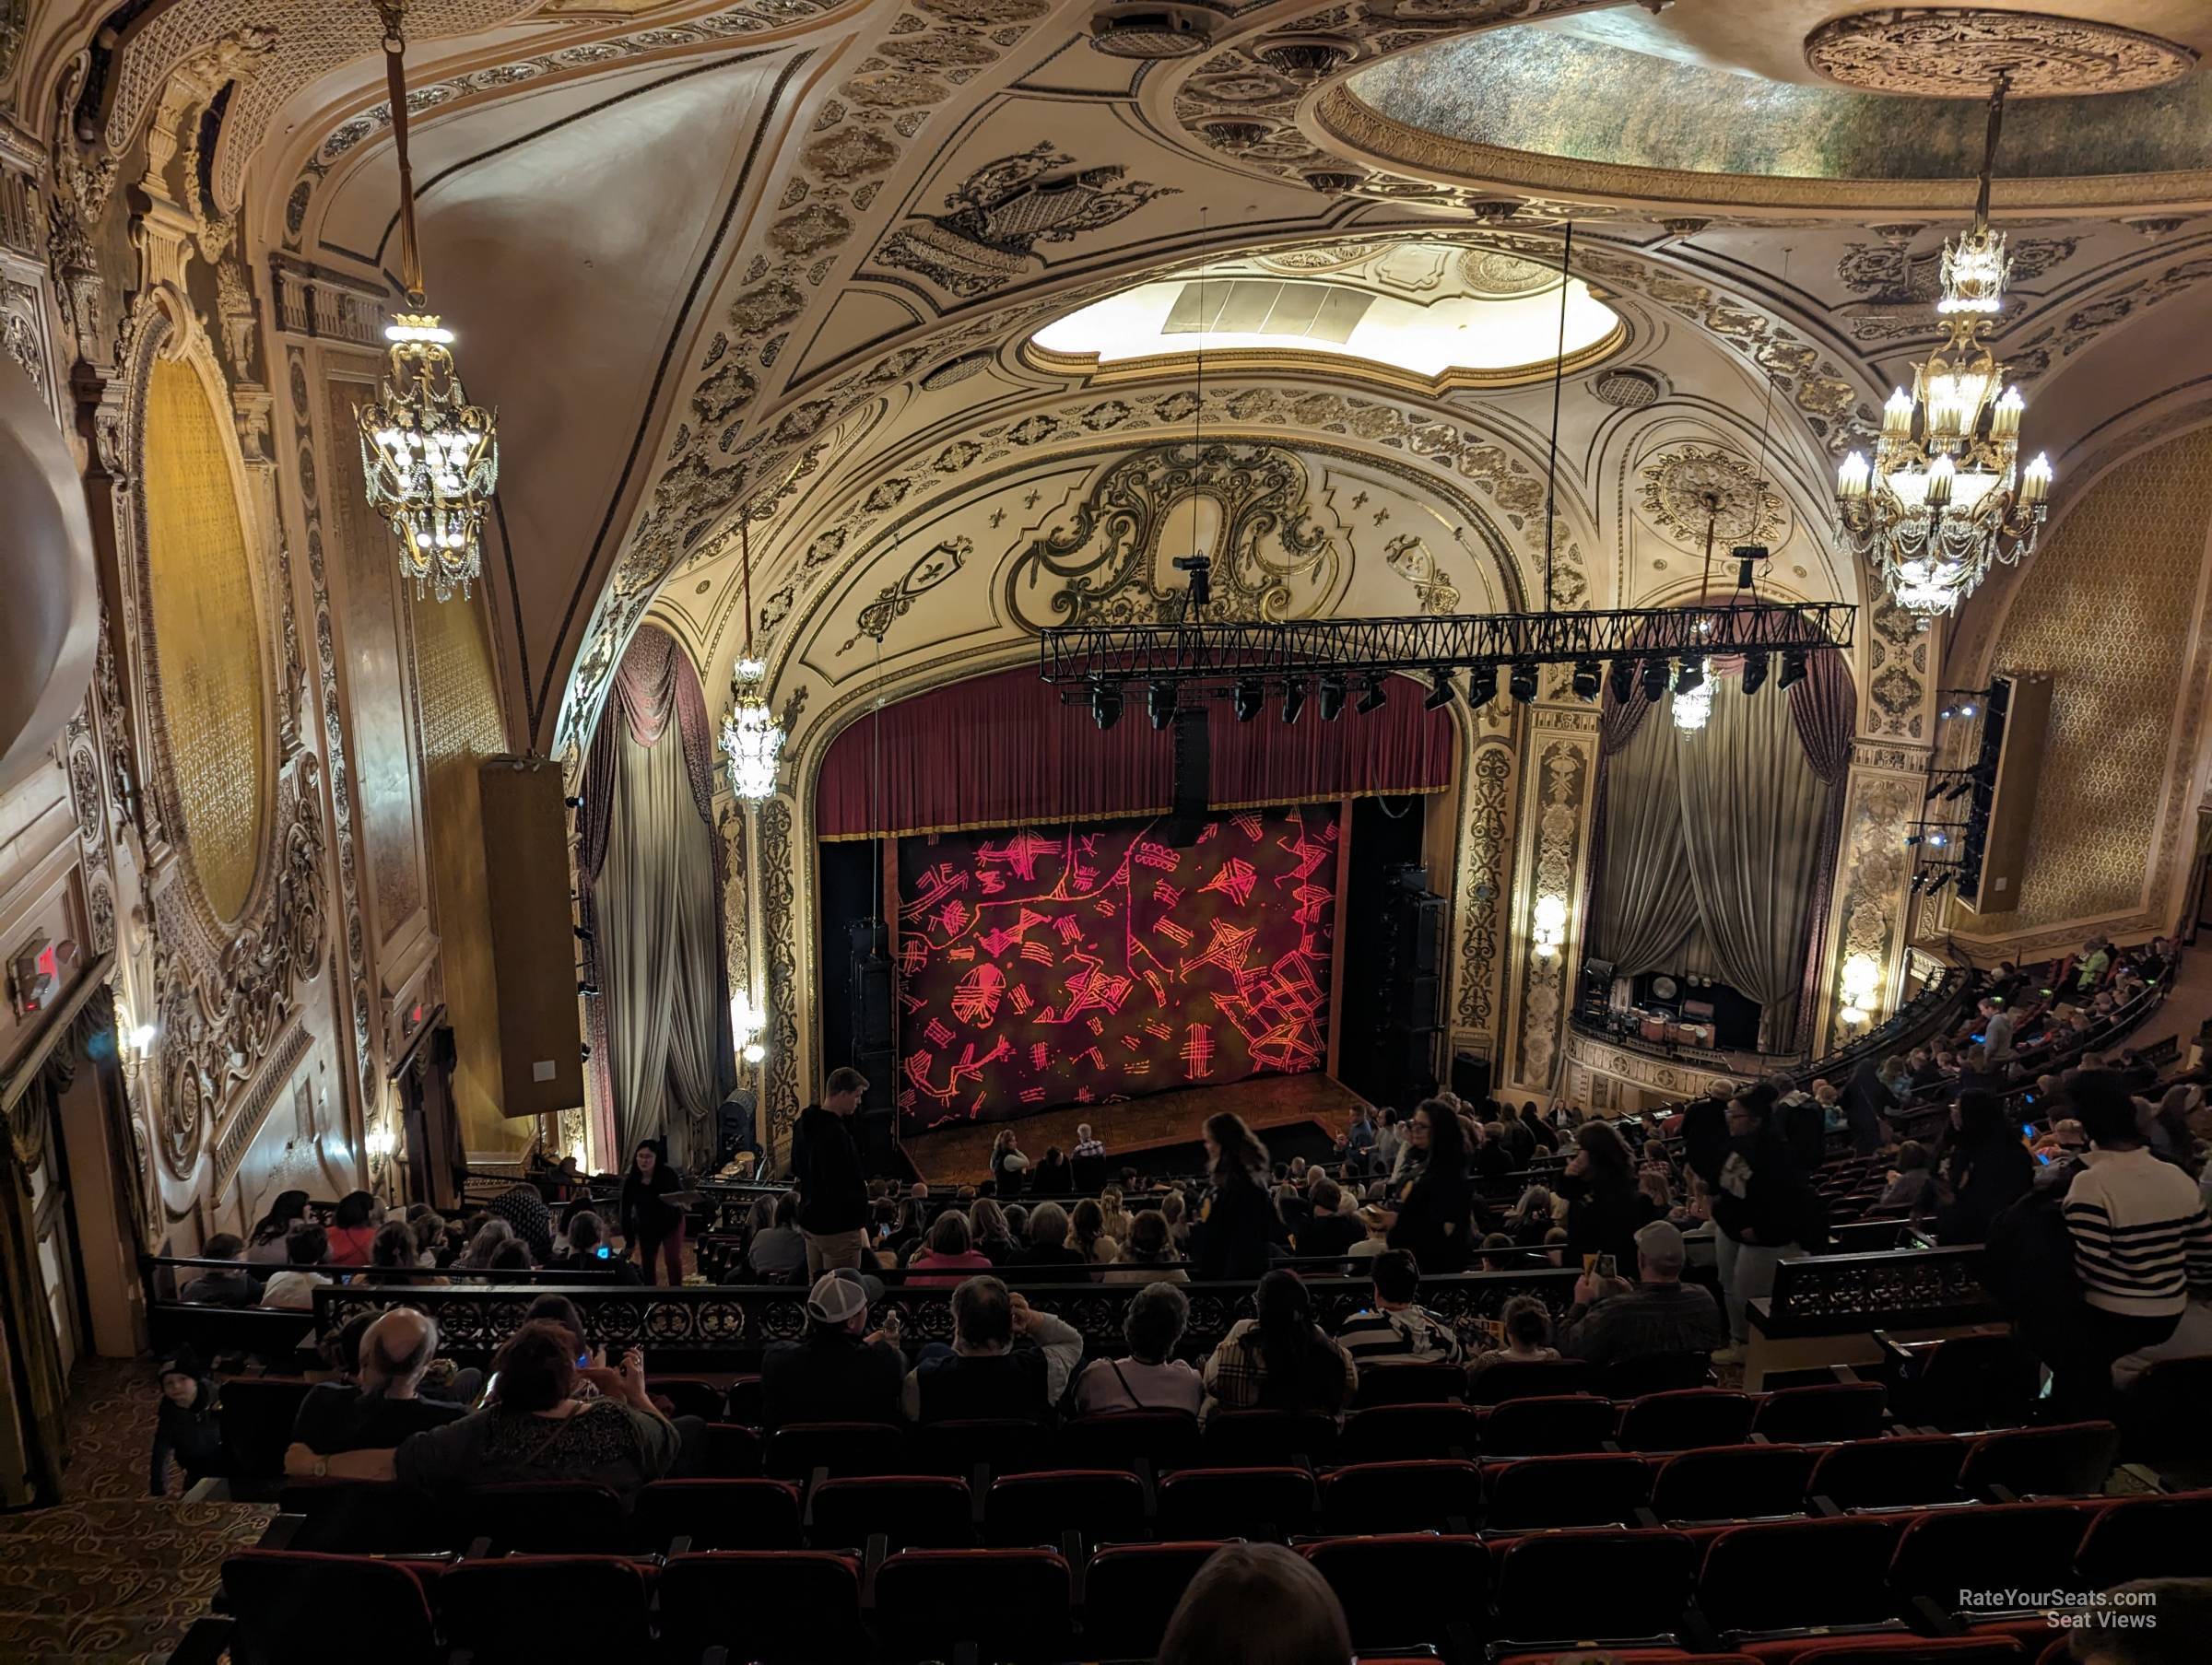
{"x":376,"y":683}
{"x":461,"y":726}
{"x":207,"y":636}
{"x":2106,"y":609}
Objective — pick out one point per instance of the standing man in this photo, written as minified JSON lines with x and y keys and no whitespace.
{"x":826,"y":1171}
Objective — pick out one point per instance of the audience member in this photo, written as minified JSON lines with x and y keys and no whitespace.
{"x":1605,"y":1205}
{"x":1048,"y":1244}
{"x":652,"y":1226}
{"x":1087,"y":1147}
{"x":1087,"y":1235}
{"x":1996,"y":1031}
{"x":188,"y":1426}
{"x":391,"y":1257}
{"x":948,"y":1256}
{"x":826,"y":1171}
{"x":1909,"y":1179}
{"x":1434,"y":1210}
{"x":1395,"y":1329}
{"x":265,"y":1243}
{"x":1331,"y":1227}
{"x":1657,"y":1314}
{"x":1542,"y":1137}
{"x":587,"y":1251}
{"x":1526,"y":1324}
{"x":1765,"y":1207}
{"x":387,"y":1403}
{"x":524,"y":1209}
{"x":294,"y":1288}
{"x":1986,"y":1169}
{"x":1009,"y":1168}
{"x":1006,"y":1360}
{"x":841,"y":1371}
{"x":352,"y":1229}
{"x":1238,"y":1219}
{"x":476,"y":1257}
{"x":1257,"y":1604}
{"x":222,"y":1288}
{"x":1705,"y":1134}
{"x":513,"y":1255}
{"x":1054,"y":1176}
{"x":993,"y":1237}
{"x":1149,"y":1377}
{"x":1280,"y":1360}
{"x":1149,"y":1257}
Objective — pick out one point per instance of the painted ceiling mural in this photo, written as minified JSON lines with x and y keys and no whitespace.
{"x":785,"y":256}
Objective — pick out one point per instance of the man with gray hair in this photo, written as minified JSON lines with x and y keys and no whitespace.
{"x":1659,"y":1313}
{"x":397,"y":1352}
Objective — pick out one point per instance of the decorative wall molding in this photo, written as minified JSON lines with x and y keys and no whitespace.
{"x":1560,"y":773}
{"x":1486,"y":873}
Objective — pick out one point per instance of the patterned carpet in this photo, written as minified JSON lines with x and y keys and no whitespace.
{"x":112,"y":1576}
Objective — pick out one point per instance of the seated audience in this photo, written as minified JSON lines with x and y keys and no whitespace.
{"x":1257,"y":1604}
{"x":1149,"y":1377}
{"x":1115,"y":1220}
{"x":188,"y":1426}
{"x":1054,"y":1176}
{"x":1087,"y":1235}
{"x":587,"y":1251}
{"x":352,"y":1229}
{"x":841,"y":1371}
{"x":1374,"y":1221}
{"x":1006,"y":1359}
{"x":1331,"y":1228}
{"x":265,"y":1243}
{"x":1087,"y":1147}
{"x":1048,"y":1239}
{"x":776,"y":1253}
{"x":1149,"y":1256}
{"x":1280,"y":1360}
{"x":525,"y":1212}
{"x":1659,"y":1313}
{"x":294,"y":1288}
{"x":387,"y":1403}
{"x":513,"y":1255}
{"x":391,"y":1257}
{"x":949,"y":1255}
{"x":488,"y":1235}
{"x":1397,"y":1329}
{"x":1527,"y":1327}
{"x":213,"y":1288}
{"x":1909,"y":1179}
{"x":531,"y":1429}
{"x":993,"y":1237}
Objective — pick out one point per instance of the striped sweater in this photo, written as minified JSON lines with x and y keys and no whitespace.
{"x":2142,"y":1240}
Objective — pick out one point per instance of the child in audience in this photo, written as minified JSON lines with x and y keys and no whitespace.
{"x":1526,"y":1324}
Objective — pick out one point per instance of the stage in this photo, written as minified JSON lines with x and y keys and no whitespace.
{"x":961,"y":1155}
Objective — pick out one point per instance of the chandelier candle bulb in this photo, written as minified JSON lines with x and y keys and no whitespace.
{"x":1897,"y":415}
{"x":1855,"y":475}
{"x":1941,"y":473}
{"x":2005,"y":417}
{"x":2035,"y":484}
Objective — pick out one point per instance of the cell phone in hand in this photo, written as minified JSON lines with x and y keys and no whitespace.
{"x":1606,"y":1267}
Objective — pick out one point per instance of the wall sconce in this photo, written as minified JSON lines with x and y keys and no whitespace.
{"x":1861,"y":976}
{"x":141,"y":1039}
{"x":748,"y":1023}
{"x":380,"y":1142}
{"x":1550,"y":926}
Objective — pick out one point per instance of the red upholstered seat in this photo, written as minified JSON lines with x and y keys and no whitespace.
{"x":1439,"y":1495}
{"x":1902,"y":1471}
{"x":1037,"y":1509}
{"x":1410,"y":1384}
{"x":1012,"y":1603}
{"x":796,"y":1450}
{"x":1401,"y":1589}
{"x":282,"y":1602}
{"x":521,"y":1610}
{"x":548,"y":1517}
{"x":1129,"y":1593}
{"x":1166,"y":1440}
{"x":1241,"y":1438}
{"x":1551,"y":1426}
{"x":1392,"y":1432}
{"x":1754,"y":1578}
{"x":1599,"y":1489}
{"x":913,"y":1511}
{"x":1830,"y":1411}
{"x":2147,"y":1538}
{"x":1603,"y":1586}
{"x":1248,"y":1503}
{"x":1740,"y":1482}
{"x":718,"y":1515}
{"x":1528,"y":1378}
{"x":791,"y":1605}
{"x":1686,"y":1420}
{"x":2068,"y":1461}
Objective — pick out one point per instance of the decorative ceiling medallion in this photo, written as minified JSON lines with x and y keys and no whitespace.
{"x":1322,"y":257}
{"x":1959,"y":52}
{"x":1503,"y":276}
{"x":1685,"y":488}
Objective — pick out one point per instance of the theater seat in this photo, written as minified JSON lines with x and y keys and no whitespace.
{"x":1438,"y":1495}
{"x":1002,"y":1445}
{"x":1038,"y":1510}
{"x":787,"y":1607}
{"x":1424,"y":1383}
{"x":796,"y":1450}
{"x":1129,"y":1593}
{"x":1740,"y":1482}
{"x":545,"y":1517}
{"x":912,"y":1512}
{"x":1603,"y":1586}
{"x":1909,"y":1650}
{"x":1527,"y":1378}
{"x":718,"y":1515}
{"x":1633,"y":1378}
{"x":361,"y":1517}
{"x":282,"y":1601}
{"x":522,"y":1610}
{"x":1401,"y":1589}
{"x":1243,"y":1438}
{"x":1684,"y":1420}
{"x":1165,"y":1439}
{"x":1539,"y":1492}
{"x":1961,"y":1382}
{"x":1220,"y":1502}
{"x":1756,"y":1578}
{"x":1822,"y":1415}
{"x":1012,"y":1605}
{"x":2015,"y":1546}
{"x":732,"y":1452}
{"x":1391,"y":1433}
{"x":1902,"y":1471}
{"x":2072,"y":1460}
{"x":2147,"y":1538}
{"x":1547,"y":1427}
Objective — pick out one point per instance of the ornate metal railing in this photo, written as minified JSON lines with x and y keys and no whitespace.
{"x":1903,"y":1289}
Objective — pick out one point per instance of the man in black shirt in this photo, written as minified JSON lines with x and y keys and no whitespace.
{"x":395,"y":1352}
{"x":1328,"y":1230}
{"x":826,"y":1171}
{"x":842,"y":1371}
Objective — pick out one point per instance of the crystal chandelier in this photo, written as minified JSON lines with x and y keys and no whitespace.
{"x":430,"y":458}
{"x":750,"y":734}
{"x":1693,"y":695}
{"x":1944,"y":497}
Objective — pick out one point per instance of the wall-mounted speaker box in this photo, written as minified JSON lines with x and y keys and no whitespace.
{"x":532,"y":935}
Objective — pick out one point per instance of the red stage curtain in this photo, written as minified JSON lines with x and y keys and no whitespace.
{"x":1002,"y":750}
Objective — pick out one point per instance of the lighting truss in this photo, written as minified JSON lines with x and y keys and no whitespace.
{"x":1094,"y":655}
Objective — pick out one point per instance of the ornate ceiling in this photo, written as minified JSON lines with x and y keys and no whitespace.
{"x":785,"y":255}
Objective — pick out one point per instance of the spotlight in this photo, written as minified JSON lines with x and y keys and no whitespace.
{"x":1294,"y":699}
{"x":1482,"y":687}
{"x":1159,"y":704}
{"x":1793,"y":669}
{"x":1245,"y":698}
{"x":587,"y":988}
{"x":1691,"y":678}
{"x":1968,"y":707}
{"x":1755,"y":672}
{"x":1655,"y":675}
{"x":1332,"y":697}
{"x":1919,"y":882}
{"x":1105,"y":704}
{"x":1373,"y":697}
{"x":1942,"y":879}
{"x":1523,"y":683}
{"x":582,"y":936}
{"x":1747,"y":556}
{"x":1588,"y":676}
{"x":1959,"y":790}
{"x":572,"y":802}
{"x":1911,"y":840}
{"x":1939,"y":839}
{"x":1439,"y":690}
{"x":1623,"y":679}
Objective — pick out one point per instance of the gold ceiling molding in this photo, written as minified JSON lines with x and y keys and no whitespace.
{"x":1281,"y":361}
{"x":1960,"y":52}
{"x":1686,"y":485}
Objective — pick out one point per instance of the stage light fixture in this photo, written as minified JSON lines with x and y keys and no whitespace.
{"x":1373,"y":698}
{"x":1793,"y":669}
{"x":1522,"y":683}
{"x":1159,"y":704}
{"x":1439,"y":690}
{"x":1332,"y":697}
{"x":1624,"y":680}
{"x":1294,"y":700}
{"x":1691,"y":678}
{"x":1755,"y":672}
{"x":1919,"y":882}
{"x":1912,"y":840}
{"x":1482,"y":687}
{"x":1246,"y":698}
{"x":1657,"y":673}
{"x":1105,"y":704}
{"x":1942,"y":879}
{"x":1589,"y":676}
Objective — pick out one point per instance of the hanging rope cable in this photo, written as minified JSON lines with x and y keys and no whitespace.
{"x":1559,"y":376}
{"x":1766,"y":430}
{"x":393,"y":13}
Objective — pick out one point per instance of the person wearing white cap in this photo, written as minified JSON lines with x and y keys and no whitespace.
{"x":1659,"y":1313}
{"x":842,"y":1371}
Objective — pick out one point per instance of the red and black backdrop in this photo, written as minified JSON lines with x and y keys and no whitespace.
{"x":1051,"y":946}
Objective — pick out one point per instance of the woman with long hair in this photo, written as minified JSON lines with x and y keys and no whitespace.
{"x":1239,"y":1220}
{"x":1009,"y":1168}
{"x":1086,"y":1233}
{"x":776,"y":1252}
{"x":1279,"y":1359}
{"x":1986,"y":1171}
{"x":948,"y":1257}
{"x":1435,"y":1210}
{"x":264,"y":1243}
{"x":994,"y":1239}
{"x":1116,"y":1218}
{"x":353,"y":1229}
{"x":1606,"y":1208}
{"x":476,"y":1257}
{"x":652,"y":1228}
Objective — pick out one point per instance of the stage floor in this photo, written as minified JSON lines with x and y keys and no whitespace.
{"x":961,"y":1155}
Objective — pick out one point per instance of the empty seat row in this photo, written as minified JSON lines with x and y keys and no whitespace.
{"x":1751,"y":1587}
